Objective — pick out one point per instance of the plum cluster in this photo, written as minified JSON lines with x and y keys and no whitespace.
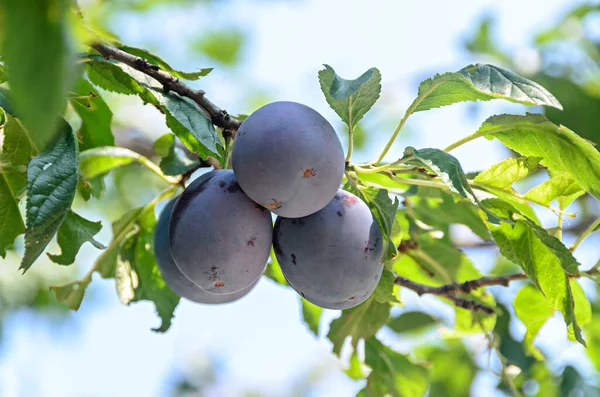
{"x":212,"y":242}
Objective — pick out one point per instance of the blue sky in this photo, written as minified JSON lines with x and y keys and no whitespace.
{"x":260,"y":342}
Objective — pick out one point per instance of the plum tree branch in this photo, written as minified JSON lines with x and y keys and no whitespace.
{"x":449,"y":291}
{"x":218,"y":116}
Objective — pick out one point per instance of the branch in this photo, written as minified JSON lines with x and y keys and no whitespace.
{"x":218,"y":116}
{"x":449,"y":291}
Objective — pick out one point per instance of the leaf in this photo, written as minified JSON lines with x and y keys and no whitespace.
{"x":452,"y":369}
{"x":15,"y":154}
{"x":481,"y":82}
{"x":384,"y":209}
{"x":350,"y":99}
{"x":191,"y":126}
{"x":96,"y":117}
{"x":560,"y":148}
{"x":387,"y":291}
{"x":183,"y":116}
{"x":360,"y":322}
{"x":125,"y":225}
{"x":51,"y":186}
{"x":273,"y":271}
{"x":99,"y":161}
{"x":11,"y":222}
{"x":507,"y":172}
{"x":72,"y":234}
{"x":72,"y":294}
{"x":37,"y":54}
{"x":545,"y":260}
{"x":17,"y":147}
{"x":355,"y":371}
{"x":392,"y":373}
{"x":156,"y":60}
{"x":3,"y":74}
{"x":449,"y":170}
{"x":150,"y":284}
{"x":222,"y":46}
{"x":411,"y":322}
{"x":312,"y":315}
{"x":558,"y":186}
{"x":532,"y":308}
{"x":583,"y":308}
{"x":436,"y":263}
{"x":109,"y":76}
{"x":174,"y":160}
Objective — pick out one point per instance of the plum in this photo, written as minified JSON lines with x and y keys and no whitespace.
{"x":288,"y":158}
{"x":173,"y":277}
{"x":332,"y":257}
{"x":219,"y":238}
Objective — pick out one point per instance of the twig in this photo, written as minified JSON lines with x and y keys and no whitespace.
{"x":218,"y":116}
{"x":450,"y":290}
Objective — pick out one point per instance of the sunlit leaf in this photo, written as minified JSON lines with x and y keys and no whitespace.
{"x":72,"y":234}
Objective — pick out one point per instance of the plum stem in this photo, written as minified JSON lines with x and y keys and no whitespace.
{"x":218,"y":116}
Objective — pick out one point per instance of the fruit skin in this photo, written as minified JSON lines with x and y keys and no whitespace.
{"x":219,"y":238}
{"x":333,"y":257}
{"x":288,"y":158}
{"x":173,"y":277}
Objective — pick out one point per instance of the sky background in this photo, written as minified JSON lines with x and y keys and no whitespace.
{"x":260,"y":343}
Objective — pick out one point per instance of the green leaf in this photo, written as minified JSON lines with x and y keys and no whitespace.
{"x":507,"y":172}
{"x":72,"y":294}
{"x":558,"y":186}
{"x":174,"y":160}
{"x":387,"y":291}
{"x":273,"y":271}
{"x":96,"y":117}
{"x":37,"y":54}
{"x":383,"y":208}
{"x":436,"y":263}
{"x":444,"y":211}
{"x":544,"y":258}
{"x":11,"y":222}
{"x":15,"y":154}
{"x":360,"y":322}
{"x":533,"y":309}
{"x":156,"y":60}
{"x":392,"y":373}
{"x":72,"y":234}
{"x":3,"y":74}
{"x":350,"y":99}
{"x":222,"y":46}
{"x":99,"y":161}
{"x":449,"y":170}
{"x":560,"y":148}
{"x":17,"y":147}
{"x":481,"y":83}
{"x":411,"y":322}
{"x":183,"y":116}
{"x":124,"y":226}
{"x":583,"y":308}
{"x":51,"y":185}
{"x":150,"y":284}
{"x":355,"y":371}
{"x":109,"y":76}
{"x":452,"y":369}
{"x":191,"y":126}
{"x":312,"y":315}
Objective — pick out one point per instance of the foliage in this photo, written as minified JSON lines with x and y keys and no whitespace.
{"x":415,"y":199}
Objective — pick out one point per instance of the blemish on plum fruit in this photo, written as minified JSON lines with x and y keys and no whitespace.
{"x":309,"y":172}
{"x":213,"y":268}
{"x":276,"y":204}
{"x":260,"y":207}
{"x":339,"y":213}
{"x":221,"y":184}
{"x":234,"y":187}
{"x":219,"y":284}
{"x":302,"y":293}
{"x":351,"y":298}
{"x":294,"y":259}
{"x":250,"y":243}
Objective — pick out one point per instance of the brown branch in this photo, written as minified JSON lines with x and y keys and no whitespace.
{"x":218,"y":116}
{"x":449,"y":291}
